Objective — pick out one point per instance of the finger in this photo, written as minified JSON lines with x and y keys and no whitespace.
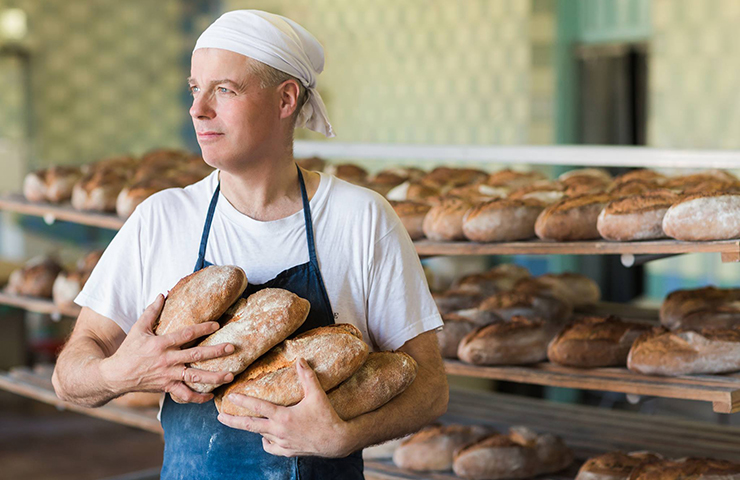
{"x":182,"y":392}
{"x":149,"y":317}
{"x":309,"y":382}
{"x":275,"y":449}
{"x":199,"y":354}
{"x":260,"y":407}
{"x":195,"y":375}
{"x":187,"y":335}
{"x":251,"y":424}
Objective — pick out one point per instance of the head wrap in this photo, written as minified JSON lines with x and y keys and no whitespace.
{"x":280,"y":43}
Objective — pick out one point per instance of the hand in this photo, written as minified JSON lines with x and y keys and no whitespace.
{"x":146,"y":362}
{"x":311,"y":427}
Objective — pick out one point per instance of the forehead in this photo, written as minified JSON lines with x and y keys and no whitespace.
{"x":210,"y":63}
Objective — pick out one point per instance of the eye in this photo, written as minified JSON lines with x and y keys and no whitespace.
{"x":224,"y":90}
{"x":193,"y":89}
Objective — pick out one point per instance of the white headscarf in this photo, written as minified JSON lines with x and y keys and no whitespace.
{"x":280,"y":43}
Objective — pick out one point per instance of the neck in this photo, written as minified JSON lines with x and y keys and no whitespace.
{"x":264,"y":189}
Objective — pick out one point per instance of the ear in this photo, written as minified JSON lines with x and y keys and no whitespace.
{"x":289,"y":91}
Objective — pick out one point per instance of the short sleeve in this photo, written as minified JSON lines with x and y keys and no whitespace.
{"x":400,"y":306}
{"x":115,"y":284}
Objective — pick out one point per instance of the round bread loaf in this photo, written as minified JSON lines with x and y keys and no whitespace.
{"x":682,"y":304}
{"x":571,"y":218}
{"x":36,"y":278}
{"x":200,"y":297}
{"x":704,"y":216}
{"x":498,"y":279}
{"x":348,"y":172}
{"x":412,"y":216}
{"x":432,"y":448}
{"x":637,"y":217}
{"x":614,"y":465}
{"x":444,"y":222}
{"x":598,"y":173}
{"x":519,"y":341}
{"x":502,"y":220}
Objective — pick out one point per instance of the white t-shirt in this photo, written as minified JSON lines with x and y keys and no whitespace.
{"x":370,"y":269}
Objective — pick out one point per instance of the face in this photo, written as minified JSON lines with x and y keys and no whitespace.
{"x":235,"y":119}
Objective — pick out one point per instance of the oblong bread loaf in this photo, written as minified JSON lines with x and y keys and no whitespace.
{"x":593,"y":342}
{"x":687,"y":468}
{"x":502,"y":220}
{"x":572,"y":218}
{"x":383,"y":376}
{"x":614,"y":465}
{"x":686,"y":352}
{"x":516,"y":342}
{"x":636,"y":218}
{"x":433,"y":447}
{"x":253,"y":326}
{"x":444,"y":222}
{"x":681,"y":304}
{"x":578,"y":290}
{"x":334,"y":352}
{"x":201,"y":297}
{"x":705,"y":216}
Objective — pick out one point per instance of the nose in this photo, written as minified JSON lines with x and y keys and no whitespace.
{"x":201,"y":107}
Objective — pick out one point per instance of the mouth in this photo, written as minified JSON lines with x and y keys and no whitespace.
{"x":208,"y":134}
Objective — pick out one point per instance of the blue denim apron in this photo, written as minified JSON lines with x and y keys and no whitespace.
{"x":198,"y":446}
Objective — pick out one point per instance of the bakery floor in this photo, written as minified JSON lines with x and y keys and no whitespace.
{"x":39,"y":442}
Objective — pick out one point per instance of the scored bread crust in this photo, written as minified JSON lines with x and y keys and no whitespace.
{"x":502,"y":220}
{"x":680,"y":304}
{"x":433,"y":447}
{"x":571,"y":218}
{"x":516,"y":342}
{"x":614,"y":465}
{"x":687,"y":468}
{"x":637,"y":217}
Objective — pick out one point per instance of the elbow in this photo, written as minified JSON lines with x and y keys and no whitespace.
{"x":57,"y":384}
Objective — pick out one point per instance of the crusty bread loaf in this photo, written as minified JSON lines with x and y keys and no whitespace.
{"x":453,"y":300}
{"x":592,"y":342}
{"x":382,"y":377}
{"x":201,"y":297}
{"x":642,"y":174}
{"x":520,"y":454}
{"x":638,"y":217}
{"x":444,"y":222}
{"x":455,"y":329}
{"x":509,"y":304}
{"x":334,"y":352}
{"x":253,"y":326}
{"x":446,"y":178}
{"x":682,"y":183}
{"x":35,"y":278}
{"x":498,"y":279}
{"x":686,"y":352}
{"x":501,"y":220}
{"x":138,"y":400}
{"x":687,"y":469}
{"x":517,"y":342}
{"x":53,"y":184}
{"x":383,"y":450}
{"x":433,"y":447}
{"x":614,"y":465}
{"x":513,"y":179}
{"x":384,"y":181}
{"x":347,"y":172}
{"x":68,"y":285}
{"x":598,"y":173}
{"x":583,"y":185}
{"x":571,"y":218}
{"x":633,"y":187}
{"x":704,"y":216}
{"x":576,"y":289}
{"x":412,"y":216}
{"x":701,"y":308}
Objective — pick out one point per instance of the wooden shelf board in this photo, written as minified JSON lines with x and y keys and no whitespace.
{"x":36,"y":384}
{"x":729,"y":248}
{"x":49,"y":211}
{"x":722,"y":390}
{"x":37,"y":304}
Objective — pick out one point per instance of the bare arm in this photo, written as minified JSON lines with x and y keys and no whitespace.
{"x":100,"y":362}
{"x":312,"y":427}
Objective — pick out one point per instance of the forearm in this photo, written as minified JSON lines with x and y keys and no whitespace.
{"x":78,"y":377}
{"x":420,"y":404}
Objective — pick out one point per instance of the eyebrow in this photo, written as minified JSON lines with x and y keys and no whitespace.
{"x":223,"y":80}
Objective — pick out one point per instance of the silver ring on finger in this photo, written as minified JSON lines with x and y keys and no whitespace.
{"x":184,"y":368}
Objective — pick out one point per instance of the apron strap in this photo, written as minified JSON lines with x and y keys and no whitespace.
{"x":206,"y":230}
{"x":307,"y":220}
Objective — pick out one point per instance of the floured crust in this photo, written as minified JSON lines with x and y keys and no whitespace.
{"x":334,"y":352}
{"x":572,"y":218}
{"x":638,"y":217}
{"x":201,"y":297}
{"x":704,"y":216}
{"x":253,"y":326}
{"x":501,"y":220}
{"x":519,"y":341}
{"x":382,"y":377}
{"x":432,"y":448}
{"x":595,"y":342}
{"x":444,"y":222}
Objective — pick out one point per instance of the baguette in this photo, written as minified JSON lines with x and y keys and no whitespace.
{"x":520,"y":454}
{"x":614,"y":465}
{"x":432,"y":448}
{"x":201,"y":297}
{"x":571,"y":218}
{"x":334,"y":352}
{"x":382,"y":377}
{"x":253,"y":326}
{"x":595,"y":342}
{"x":501,"y":220}
{"x":519,"y":341}
{"x":687,"y":469}
{"x":704,"y":216}
{"x":686,"y":352}
{"x":636,"y":218}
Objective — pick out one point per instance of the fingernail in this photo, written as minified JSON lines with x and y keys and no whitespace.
{"x":229,"y":348}
{"x":229,"y":377}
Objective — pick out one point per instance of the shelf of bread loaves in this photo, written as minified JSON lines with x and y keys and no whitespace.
{"x":562,"y":441}
{"x":504,"y":324}
{"x":43,"y":285}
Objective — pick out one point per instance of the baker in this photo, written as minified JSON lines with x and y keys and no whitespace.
{"x":253,"y":80}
